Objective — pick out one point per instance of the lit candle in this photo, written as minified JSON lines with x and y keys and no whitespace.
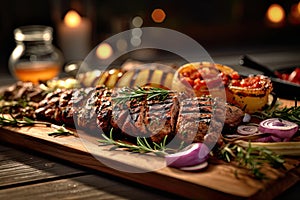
{"x":74,"y":36}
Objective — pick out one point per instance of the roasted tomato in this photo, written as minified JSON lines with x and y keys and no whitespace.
{"x":250,"y":93}
{"x":201,"y":78}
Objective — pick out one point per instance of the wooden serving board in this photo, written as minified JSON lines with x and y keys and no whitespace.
{"x":218,"y":180}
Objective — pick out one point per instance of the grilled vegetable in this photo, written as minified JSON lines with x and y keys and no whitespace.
{"x":250,"y":93}
{"x":203,"y":78}
{"x":146,"y":77}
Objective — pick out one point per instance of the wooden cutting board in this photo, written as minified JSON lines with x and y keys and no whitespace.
{"x":216,"y":181}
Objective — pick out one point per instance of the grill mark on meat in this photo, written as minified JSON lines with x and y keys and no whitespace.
{"x":190,"y":119}
{"x":87,"y":115}
{"x":160,"y":118}
{"x":194,"y":119}
{"x":128,"y":117}
{"x":146,"y":118}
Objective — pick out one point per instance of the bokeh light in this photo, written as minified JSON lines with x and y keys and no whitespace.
{"x":275,"y":14}
{"x":135,"y":41}
{"x":121,"y":45}
{"x":137,"y":32}
{"x":137,"y":21}
{"x":104,"y":51}
{"x":158,"y":15}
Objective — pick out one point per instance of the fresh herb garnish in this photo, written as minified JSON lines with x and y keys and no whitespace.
{"x":60,"y":130}
{"x":140,"y":93}
{"x":14,"y":122}
{"x":287,"y":113}
{"x":141,"y":146}
{"x":27,"y":122}
{"x":252,"y":158}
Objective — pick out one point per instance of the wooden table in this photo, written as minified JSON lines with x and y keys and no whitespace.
{"x":29,"y":175}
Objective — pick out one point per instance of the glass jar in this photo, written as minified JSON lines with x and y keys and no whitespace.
{"x":35,"y":58}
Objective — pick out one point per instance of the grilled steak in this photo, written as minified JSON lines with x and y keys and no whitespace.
{"x":187,"y":119}
{"x":146,"y":118}
{"x":203,"y":117}
{"x":194,"y":119}
{"x":61,"y":106}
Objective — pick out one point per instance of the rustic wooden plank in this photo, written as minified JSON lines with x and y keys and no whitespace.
{"x":19,"y":168}
{"x":83,"y":187}
{"x":218,"y":181}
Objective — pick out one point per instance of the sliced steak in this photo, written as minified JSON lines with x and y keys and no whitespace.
{"x":104,"y":111}
{"x":152,"y":119}
{"x":204,"y":117}
{"x":160,"y":118}
{"x":86,"y":117}
{"x":61,"y":106}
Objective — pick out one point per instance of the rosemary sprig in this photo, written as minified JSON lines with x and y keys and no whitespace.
{"x":14,"y":122}
{"x":141,"y":146}
{"x":288,"y":113}
{"x":60,"y":130}
{"x":140,"y":93}
{"x":252,"y":158}
{"x":27,"y":122}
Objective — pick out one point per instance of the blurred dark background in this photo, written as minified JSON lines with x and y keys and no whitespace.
{"x":215,"y":24}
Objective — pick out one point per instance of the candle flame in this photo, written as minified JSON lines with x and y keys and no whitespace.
{"x":275,"y":13}
{"x":72,"y":19}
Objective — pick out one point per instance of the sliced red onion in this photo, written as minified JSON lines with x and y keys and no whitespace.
{"x":279,"y":128}
{"x":194,"y":154}
{"x":247,"y":129}
{"x":195,"y":167}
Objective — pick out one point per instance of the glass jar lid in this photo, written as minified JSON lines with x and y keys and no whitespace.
{"x":33,"y":33}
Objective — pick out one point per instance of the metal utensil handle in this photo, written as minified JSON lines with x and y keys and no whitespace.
{"x":246,"y":61}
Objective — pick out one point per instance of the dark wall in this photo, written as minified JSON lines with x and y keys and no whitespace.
{"x":213,"y":22}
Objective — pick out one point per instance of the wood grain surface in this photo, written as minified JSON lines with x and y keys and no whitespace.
{"x":28,"y":175}
{"x":218,"y":180}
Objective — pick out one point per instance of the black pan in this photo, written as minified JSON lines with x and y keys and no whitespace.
{"x":282,"y":88}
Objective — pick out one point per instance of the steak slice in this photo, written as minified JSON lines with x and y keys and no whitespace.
{"x":104,"y":111}
{"x":194,"y":119}
{"x":48,"y":108}
{"x":204,"y":117}
{"x":160,"y":118}
{"x":86,"y":117}
{"x":152,"y":119}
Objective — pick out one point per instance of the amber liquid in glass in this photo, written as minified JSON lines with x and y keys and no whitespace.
{"x":36,"y":71}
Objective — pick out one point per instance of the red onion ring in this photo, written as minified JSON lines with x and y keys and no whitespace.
{"x":195,"y":167}
{"x":194,"y":154}
{"x":279,"y":128}
{"x":247,"y":129}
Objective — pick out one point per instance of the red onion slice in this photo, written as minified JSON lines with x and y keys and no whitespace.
{"x":195,"y":167}
{"x":279,"y":128}
{"x":192,"y":155}
{"x":247,"y":129}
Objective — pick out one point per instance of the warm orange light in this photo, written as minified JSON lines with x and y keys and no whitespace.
{"x":72,"y":19}
{"x":295,"y":11}
{"x":298,"y":7}
{"x":158,"y":15}
{"x":104,"y":51}
{"x":275,"y":13}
